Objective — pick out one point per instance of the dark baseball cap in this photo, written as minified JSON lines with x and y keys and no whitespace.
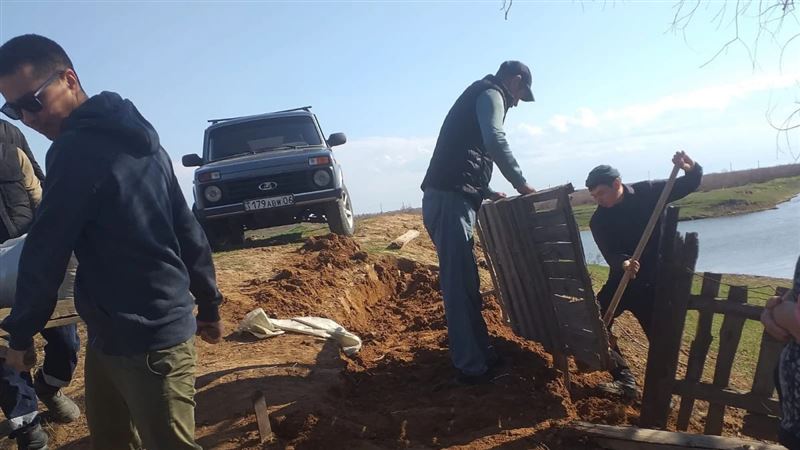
{"x":601,"y":175}
{"x":513,"y":68}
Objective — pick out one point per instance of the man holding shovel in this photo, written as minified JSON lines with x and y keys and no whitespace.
{"x":622,"y":215}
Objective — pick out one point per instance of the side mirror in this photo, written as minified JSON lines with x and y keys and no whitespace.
{"x":192,"y":160}
{"x":336,"y":139}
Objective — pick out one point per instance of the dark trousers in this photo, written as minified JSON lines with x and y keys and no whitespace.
{"x":787,"y":383}
{"x":450,"y":218}
{"x":17,"y":397}
{"x":638,"y":298}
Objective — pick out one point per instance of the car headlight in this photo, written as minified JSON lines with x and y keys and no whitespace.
{"x":213,"y":194}
{"x":322,"y":178}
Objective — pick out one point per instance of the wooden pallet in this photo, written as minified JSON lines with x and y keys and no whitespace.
{"x":64,"y":314}
{"x":534,"y":252}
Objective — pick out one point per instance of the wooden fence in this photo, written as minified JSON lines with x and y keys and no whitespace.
{"x":533,"y":248}
{"x":674,"y":300}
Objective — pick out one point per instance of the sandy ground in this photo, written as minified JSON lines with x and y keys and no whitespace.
{"x":398,"y":391}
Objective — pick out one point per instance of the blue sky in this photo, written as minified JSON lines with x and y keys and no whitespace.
{"x":612,"y":83}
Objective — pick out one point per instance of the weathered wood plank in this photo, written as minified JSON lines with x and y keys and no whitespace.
{"x":548,"y":317}
{"x":501,"y":260}
{"x":594,"y":320}
{"x":673,"y":285}
{"x":718,"y":306}
{"x":699,"y":348}
{"x":541,"y":314}
{"x":63,"y":314}
{"x":729,"y":336}
{"x":619,"y":437}
{"x":558,"y":233}
{"x":571,"y":312}
{"x":561,"y":269}
{"x":763,"y":381}
{"x":727,"y":396}
{"x":63,"y":308}
{"x":568,"y":286}
{"x":548,"y":194}
{"x":524,"y":258}
{"x":549,"y":218}
{"x":490,"y":266}
{"x":768,"y":356}
{"x":554,"y":251}
{"x":262,"y":417}
{"x":403,"y":239}
{"x":508,"y":250}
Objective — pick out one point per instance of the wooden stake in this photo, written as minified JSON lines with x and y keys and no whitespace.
{"x":404,"y":239}
{"x":637,"y":254}
{"x":262,"y":417}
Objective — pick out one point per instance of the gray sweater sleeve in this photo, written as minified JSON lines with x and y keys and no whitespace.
{"x":490,"y":111}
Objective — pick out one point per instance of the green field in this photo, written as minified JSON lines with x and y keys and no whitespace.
{"x":722,"y":202}
{"x":760,"y":288}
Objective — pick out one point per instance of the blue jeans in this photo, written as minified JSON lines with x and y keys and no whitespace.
{"x":450,"y":218}
{"x":17,"y":397}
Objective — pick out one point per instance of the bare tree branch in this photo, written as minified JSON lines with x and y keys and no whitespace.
{"x":507,"y":7}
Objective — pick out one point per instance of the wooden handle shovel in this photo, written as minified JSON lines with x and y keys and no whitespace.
{"x":637,"y":254}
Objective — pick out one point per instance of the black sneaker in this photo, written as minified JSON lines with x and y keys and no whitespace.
{"x":31,"y":437}
{"x":495,"y":361}
{"x":61,"y":408}
{"x":625,"y":380}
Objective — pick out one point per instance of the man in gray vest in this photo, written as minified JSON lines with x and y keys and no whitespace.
{"x":470,"y":141}
{"x":20,"y":194}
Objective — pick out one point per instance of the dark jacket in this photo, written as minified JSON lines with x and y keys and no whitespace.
{"x":16,"y":208}
{"x":10,"y":134}
{"x":460,"y":160}
{"x":617,"y":230}
{"x":111,"y":196}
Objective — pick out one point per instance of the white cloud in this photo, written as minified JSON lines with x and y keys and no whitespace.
{"x":530,"y":130}
{"x":559,"y":122}
{"x":714,"y":97}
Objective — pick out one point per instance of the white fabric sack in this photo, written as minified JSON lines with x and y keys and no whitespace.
{"x":10,"y":253}
{"x":258,"y":324}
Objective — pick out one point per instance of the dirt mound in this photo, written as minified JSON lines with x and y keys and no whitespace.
{"x":399,"y":390}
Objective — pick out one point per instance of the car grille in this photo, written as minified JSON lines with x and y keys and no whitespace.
{"x":287,"y":183}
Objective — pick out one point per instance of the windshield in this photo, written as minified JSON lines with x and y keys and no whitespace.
{"x":262,"y":135}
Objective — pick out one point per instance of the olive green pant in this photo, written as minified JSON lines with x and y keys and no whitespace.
{"x":143,"y":401}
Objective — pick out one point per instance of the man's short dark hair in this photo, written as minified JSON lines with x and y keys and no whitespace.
{"x":44,"y":54}
{"x":601,"y":175}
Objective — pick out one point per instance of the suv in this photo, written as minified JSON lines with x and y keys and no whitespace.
{"x":268,"y":170}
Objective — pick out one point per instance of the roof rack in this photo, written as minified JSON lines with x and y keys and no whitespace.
{"x":302,"y":108}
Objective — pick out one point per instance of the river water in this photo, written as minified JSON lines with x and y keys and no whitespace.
{"x":762,"y":243}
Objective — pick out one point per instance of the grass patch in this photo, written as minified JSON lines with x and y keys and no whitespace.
{"x":721,"y":202}
{"x":760,"y":288}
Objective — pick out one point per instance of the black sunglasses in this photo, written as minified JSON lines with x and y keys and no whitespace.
{"x":29,"y":102}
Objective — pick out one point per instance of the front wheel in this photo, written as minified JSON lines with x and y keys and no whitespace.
{"x":222,"y":234}
{"x":340,"y":215}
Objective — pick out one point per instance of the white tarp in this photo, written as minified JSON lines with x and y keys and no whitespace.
{"x":258,"y":324}
{"x":10,"y":252}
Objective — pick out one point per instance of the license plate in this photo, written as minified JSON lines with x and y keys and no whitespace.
{"x":270,"y":202}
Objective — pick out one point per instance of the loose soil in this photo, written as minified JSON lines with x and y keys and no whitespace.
{"x":398,"y":392}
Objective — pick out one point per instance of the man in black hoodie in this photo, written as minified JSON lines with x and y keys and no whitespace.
{"x":111,"y":196}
